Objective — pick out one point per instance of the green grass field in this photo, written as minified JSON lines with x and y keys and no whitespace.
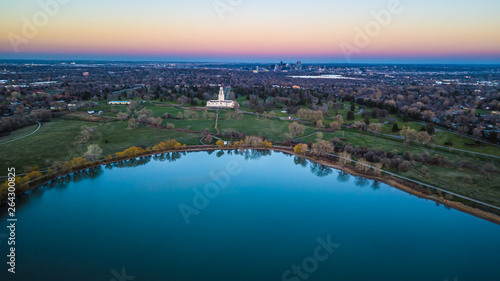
{"x":55,"y":141}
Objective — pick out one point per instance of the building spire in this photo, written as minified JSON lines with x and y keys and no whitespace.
{"x":221,"y":94}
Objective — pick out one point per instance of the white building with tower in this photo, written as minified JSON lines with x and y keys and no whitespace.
{"x":222,"y":102}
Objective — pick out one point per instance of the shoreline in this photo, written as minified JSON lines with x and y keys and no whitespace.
{"x":389,"y":180}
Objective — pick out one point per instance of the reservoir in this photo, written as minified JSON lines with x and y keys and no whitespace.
{"x":241,"y":215}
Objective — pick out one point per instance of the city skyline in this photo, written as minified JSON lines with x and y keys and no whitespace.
{"x":256,"y":31}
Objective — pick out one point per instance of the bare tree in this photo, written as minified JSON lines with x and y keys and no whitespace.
{"x":122,"y":116}
{"x":93,"y":153}
{"x":339,"y":119}
{"x":335,"y":126}
{"x":322,"y":148}
{"x":132,"y":106}
{"x":424,"y":137}
{"x":319,"y":136}
{"x":155,"y":121}
{"x":296,"y":129}
{"x":408,"y":133}
{"x":87,"y":133}
{"x":362,"y":165}
{"x":375,"y":127}
{"x":170,"y":126}
{"x":477,"y":133}
{"x":132,"y":123}
{"x":344,"y":158}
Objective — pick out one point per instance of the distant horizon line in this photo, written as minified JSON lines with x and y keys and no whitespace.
{"x":243,"y":62}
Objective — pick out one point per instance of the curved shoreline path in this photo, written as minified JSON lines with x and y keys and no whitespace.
{"x":423,"y":184}
{"x":16,"y":139}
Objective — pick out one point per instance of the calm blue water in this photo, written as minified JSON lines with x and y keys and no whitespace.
{"x":272,"y":217}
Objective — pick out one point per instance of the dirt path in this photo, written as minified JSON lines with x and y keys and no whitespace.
{"x":216,"y":122}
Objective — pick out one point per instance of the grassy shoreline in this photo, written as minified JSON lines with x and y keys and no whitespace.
{"x":411,"y":188}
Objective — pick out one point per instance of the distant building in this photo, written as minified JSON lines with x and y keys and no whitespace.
{"x":86,"y":74}
{"x":119,"y":102}
{"x":222,"y":102}
{"x":299,"y":66}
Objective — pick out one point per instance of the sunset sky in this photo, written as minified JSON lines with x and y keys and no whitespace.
{"x":424,"y":31}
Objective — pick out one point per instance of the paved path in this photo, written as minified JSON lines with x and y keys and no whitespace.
{"x":39,"y":126}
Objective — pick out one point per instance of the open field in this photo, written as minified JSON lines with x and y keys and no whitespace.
{"x":55,"y":141}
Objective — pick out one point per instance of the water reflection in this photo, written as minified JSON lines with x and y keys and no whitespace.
{"x":361,"y":182}
{"x":170,"y":157}
{"x":300,"y":161}
{"x":135,"y":162}
{"x":59,"y":183}
{"x":343,"y":176}
{"x":320,"y":170}
{"x":253,"y":154}
{"x":376,"y":185}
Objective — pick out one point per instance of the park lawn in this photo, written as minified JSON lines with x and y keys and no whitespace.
{"x":368,"y":140}
{"x":19,"y":133}
{"x":274,"y":129}
{"x":441,"y":137}
{"x":412,"y":125}
{"x":452,"y":179}
{"x":159,"y":111}
{"x":362,"y":139}
{"x":193,"y":125}
{"x":342,"y":111}
{"x":55,"y":141}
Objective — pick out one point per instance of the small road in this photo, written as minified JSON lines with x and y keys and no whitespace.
{"x":39,"y":126}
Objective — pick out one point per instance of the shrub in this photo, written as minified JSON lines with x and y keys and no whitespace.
{"x":220,"y":144}
{"x":301,"y":148}
{"x":169,"y":144}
